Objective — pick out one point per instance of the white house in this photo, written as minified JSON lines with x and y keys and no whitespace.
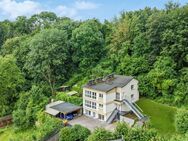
{"x":105,"y":98}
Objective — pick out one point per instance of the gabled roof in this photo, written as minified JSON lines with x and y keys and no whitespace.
{"x":118,"y":81}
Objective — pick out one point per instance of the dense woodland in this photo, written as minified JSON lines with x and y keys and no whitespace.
{"x":40,"y":53}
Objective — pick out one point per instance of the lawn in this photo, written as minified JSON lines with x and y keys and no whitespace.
{"x":161,"y":116}
{"x":8,"y":133}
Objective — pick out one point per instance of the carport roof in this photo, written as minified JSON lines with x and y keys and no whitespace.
{"x":65,"y":107}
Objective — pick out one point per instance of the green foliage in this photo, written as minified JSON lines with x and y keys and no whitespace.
{"x":181,"y":121}
{"x":139,"y":134}
{"x":162,"y":77}
{"x":72,"y":99}
{"x":88,"y":41}
{"x":45,"y":127}
{"x":121,"y":130}
{"x":11,"y":80}
{"x":100,"y":134}
{"x":75,"y":133}
{"x":149,"y":44}
{"x":47,"y":58}
{"x":27,"y":107}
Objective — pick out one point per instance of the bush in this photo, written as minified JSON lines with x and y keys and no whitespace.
{"x":72,"y":99}
{"x":75,"y":133}
{"x":100,"y":134}
{"x":139,"y":134}
{"x":121,"y":130}
{"x":181,"y":121}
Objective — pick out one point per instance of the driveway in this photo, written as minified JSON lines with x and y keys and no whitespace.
{"x":91,"y":123}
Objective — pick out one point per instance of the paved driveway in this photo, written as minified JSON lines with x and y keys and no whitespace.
{"x":91,"y":123}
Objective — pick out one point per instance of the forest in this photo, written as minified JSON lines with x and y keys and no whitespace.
{"x":40,"y":53}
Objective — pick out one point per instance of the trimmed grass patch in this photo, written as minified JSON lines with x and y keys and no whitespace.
{"x":160,"y":115}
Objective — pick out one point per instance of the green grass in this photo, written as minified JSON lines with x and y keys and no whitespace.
{"x":161,"y":116}
{"x":8,"y":133}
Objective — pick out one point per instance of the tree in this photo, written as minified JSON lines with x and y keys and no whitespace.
{"x":100,"y":134}
{"x":42,"y":20}
{"x":27,"y":107}
{"x":47,"y":58}
{"x":181,"y":121}
{"x":10,"y":45}
{"x":163,"y":75}
{"x":21,"y":26}
{"x":11,"y":80}
{"x":181,"y":89}
{"x":88,"y":44}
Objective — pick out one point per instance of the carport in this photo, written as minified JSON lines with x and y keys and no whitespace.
{"x":63,"y":109}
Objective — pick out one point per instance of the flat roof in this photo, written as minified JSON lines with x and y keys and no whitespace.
{"x":65,"y":107}
{"x":105,"y":86}
{"x":52,"y":111}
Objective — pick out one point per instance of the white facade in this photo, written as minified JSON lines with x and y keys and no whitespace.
{"x":100,"y":105}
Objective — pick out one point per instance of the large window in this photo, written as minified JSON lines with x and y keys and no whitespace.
{"x":118,"y":96}
{"x":90,"y":94}
{"x":94,"y":95}
{"x":88,"y":103}
{"x":101,"y":117}
{"x":87,"y":93}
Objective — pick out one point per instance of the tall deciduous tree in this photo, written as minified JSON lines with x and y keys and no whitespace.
{"x":88,"y":44}
{"x":11,"y":80}
{"x":47,"y":58}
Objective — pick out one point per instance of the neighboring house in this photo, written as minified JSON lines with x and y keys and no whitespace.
{"x":106,"y":98}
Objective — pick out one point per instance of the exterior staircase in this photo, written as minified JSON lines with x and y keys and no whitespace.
{"x":134,"y":109}
{"x":112,"y":116}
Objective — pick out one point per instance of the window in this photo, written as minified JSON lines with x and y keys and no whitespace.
{"x":100,"y":95}
{"x":118,"y":96}
{"x":132,"y":87}
{"x":132,"y":96}
{"x":87,"y":112}
{"x":101,"y":117}
{"x":88,"y":103}
{"x":94,"y":105}
{"x":101,"y":106}
{"x":87,"y":93}
{"x":94,"y":95}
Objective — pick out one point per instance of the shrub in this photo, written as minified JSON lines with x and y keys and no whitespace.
{"x":181,"y":121}
{"x":100,"y":134}
{"x":139,"y":134}
{"x":75,"y":133}
{"x":72,"y":99}
{"x":121,"y":130}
